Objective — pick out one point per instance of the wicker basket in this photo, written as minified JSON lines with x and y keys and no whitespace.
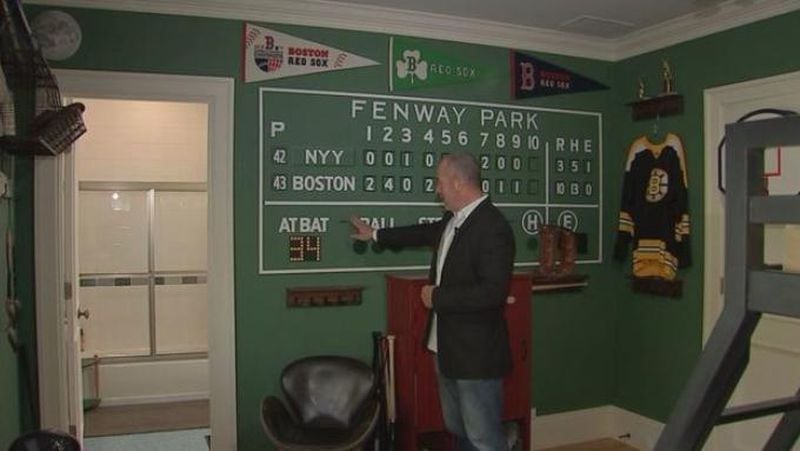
{"x":55,"y":130}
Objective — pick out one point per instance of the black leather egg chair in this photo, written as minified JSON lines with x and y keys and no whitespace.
{"x":48,"y":440}
{"x":330,"y":405}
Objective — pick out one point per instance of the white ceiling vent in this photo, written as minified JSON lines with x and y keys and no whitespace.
{"x":597,"y":26}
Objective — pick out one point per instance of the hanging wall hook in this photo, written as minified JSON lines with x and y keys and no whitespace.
{"x":655,"y":126}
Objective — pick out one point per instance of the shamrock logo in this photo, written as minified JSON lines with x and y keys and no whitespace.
{"x":412,"y":65}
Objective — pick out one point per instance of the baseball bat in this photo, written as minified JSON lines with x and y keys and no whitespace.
{"x":392,"y":409}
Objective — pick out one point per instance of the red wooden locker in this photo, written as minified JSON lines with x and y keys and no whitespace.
{"x":419,"y":418}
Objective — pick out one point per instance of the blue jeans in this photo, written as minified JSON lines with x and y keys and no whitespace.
{"x":472,"y":411}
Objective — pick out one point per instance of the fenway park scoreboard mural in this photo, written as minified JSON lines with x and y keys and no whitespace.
{"x":328,"y":155}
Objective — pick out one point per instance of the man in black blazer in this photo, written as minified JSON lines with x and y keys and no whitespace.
{"x":470,"y":275}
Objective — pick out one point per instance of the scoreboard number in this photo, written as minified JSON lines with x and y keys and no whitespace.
{"x":305,"y":248}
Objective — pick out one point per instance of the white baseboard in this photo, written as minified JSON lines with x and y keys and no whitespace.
{"x":132,"y":400}
{"x":593,"y":424}
{"x":644,"y":432}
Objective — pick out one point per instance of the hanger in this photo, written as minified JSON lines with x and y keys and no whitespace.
{"x":654,"y":133}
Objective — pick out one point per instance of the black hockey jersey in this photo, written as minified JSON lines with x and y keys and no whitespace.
{"x":654,"y":211}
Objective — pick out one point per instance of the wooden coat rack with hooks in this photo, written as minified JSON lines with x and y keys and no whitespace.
{"x":657,"y":107}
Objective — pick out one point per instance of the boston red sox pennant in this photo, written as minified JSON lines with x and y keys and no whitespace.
{"x":533,"y":77}
{"x":269,"y":54}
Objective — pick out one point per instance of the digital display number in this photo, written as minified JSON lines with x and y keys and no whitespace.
{"x":304,"y":248}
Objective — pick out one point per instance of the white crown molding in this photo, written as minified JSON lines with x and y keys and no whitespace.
{"x":330,"y":14}
{"x":320,"y":13}
{"x":728,"y":15}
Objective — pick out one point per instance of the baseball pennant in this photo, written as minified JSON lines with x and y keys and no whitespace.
{"x":270,"y":54}
{"x":416,"y":64}
{"x":533,"y":77}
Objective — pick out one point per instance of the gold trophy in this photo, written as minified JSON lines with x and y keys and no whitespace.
{"x":668,"y":78}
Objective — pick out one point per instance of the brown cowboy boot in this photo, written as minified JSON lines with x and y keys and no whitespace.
{"x":547,"y":250}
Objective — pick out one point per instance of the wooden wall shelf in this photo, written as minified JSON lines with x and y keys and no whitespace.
{"x":567,"y":283}
{"x":559,"y":286}
{"x":664,"y":105}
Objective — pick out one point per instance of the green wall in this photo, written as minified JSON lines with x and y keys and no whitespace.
{"x":658,"y":339}
{"x":603,"y":345}
{"x":10,"y":411}
{"x":18,"y":389}
{"x":572,"y":332}
{"x":10,"y":382}
{"x":261,"y":315}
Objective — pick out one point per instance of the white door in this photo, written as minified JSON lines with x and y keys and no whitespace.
{"x":56,"y":305}
{"x":774,"y":368}
{"x":72,"y":343}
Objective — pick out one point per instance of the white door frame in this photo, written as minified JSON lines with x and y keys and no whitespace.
{"x":51,"y":305}
{"x":718,"y":101}
{"x":218,"y":94}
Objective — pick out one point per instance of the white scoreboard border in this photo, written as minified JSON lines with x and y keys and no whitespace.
{"x":262,"y":203}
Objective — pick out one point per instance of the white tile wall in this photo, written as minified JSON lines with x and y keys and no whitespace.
{"x":117,"y":323}
{"x":143,"y":141}
{"x":153,"y":382}
{"x":181,"y":318}
{"x":180,"y":231}
{"x":112,"y":232}
{"x":152,"y":144}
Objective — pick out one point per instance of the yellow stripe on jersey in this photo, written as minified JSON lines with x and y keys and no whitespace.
{"x":626,"y":224}
{"x":651,"y":259}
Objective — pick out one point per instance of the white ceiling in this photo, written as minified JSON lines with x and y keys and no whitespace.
{"x":601,"y":29}
{"x":598,"y":18}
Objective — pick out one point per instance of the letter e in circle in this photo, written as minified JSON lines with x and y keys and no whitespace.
{"x":568,"y":220}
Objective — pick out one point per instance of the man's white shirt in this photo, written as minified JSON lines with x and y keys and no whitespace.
{"x":444,"y":246}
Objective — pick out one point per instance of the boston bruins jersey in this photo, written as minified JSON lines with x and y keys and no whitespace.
{"x":654,"y":212}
